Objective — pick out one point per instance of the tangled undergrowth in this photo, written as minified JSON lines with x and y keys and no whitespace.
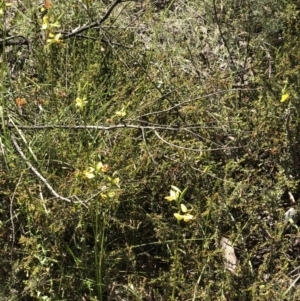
{"x":149,"y":150}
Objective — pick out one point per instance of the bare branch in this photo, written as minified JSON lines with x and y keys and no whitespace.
{"x":94,"y":24}
{"x":192,"y":149}
{"x":12,"y":217}
{"x":132,"y":126}
{"x":98,"y":127}
{"x":34,"y":170}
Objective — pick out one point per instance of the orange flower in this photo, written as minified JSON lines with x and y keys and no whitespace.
{"x":21,"y":102}
{"x":47,"y":4}
{"x":102,"y":167}
{"x":105,"y":168}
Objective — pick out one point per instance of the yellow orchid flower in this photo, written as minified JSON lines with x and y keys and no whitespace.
{"x":80,"y":103}
{"x":54,"y":39}
{"x":185,"y":217}
{"x":89,"y":173}
{"x":285,"y":97}
{"x":174,"y":194}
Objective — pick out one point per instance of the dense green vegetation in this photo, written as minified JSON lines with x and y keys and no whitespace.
{"x":117,"y":115}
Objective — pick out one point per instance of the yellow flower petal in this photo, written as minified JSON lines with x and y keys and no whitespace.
{"x":103,"y":196}
{"x":285,"y":97}
{"x":111,"y":194}
{"x":99,"y":166}
{"x":45,"y":23}
{"x":178,"y":216}
{"x":116,"y":181}
{"x":89,"y":173}
{"x":183,"y":208}
{"x":169,"y":198}
{"x":175,"y":188}
{"x":188,"y":217}
{"x":173,"y":196}
{"x":80,"y":103}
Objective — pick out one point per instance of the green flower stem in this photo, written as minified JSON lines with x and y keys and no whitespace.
{"x":175,"y":262}
{"x":99,"y":252}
